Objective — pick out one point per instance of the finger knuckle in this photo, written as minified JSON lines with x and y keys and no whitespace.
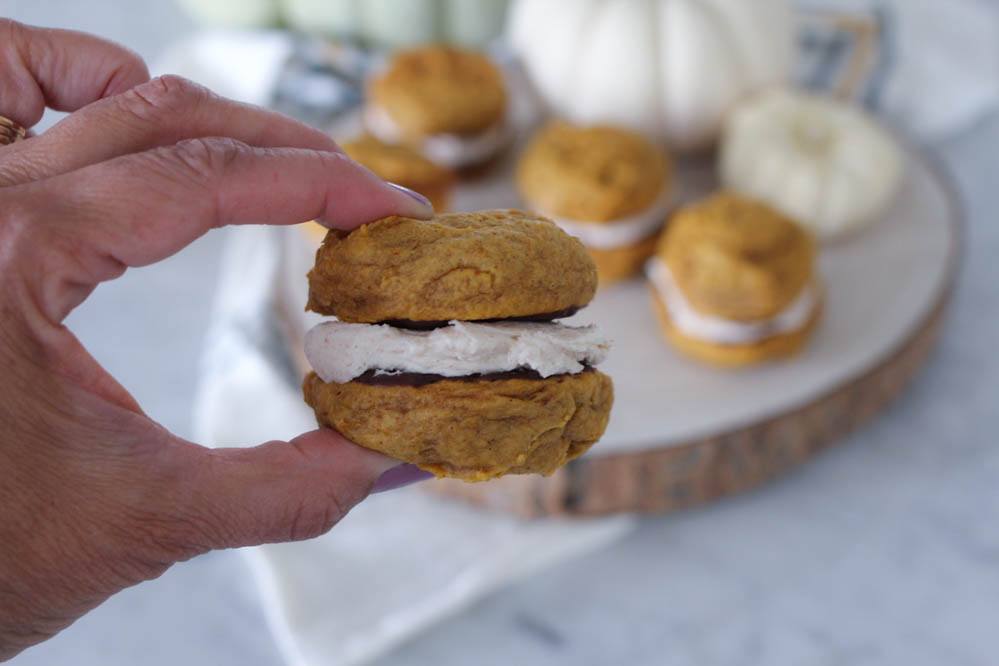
{"x":332,"y":161}
{"x":159,"y":540}
{"x":18,"y":224}
{"x":165,"y":96}
{"x":10,"y":28}
{"x":36,"y":256}
{"x":13,"y":214}
{"x":316,"y":516}
{"x":205,"y":160}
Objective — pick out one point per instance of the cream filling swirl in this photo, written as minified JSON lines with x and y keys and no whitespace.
{"x":718,"y":330}
{"x":340,"y":351}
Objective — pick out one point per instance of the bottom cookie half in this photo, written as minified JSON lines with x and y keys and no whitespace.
{"x":471,"y":430}
{"x":732,"y":356}
{"x":621,"y":263}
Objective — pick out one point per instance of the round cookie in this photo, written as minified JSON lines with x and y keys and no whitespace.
{"x":737,"y":258}
{"x":471,"y":429}
{"x":733,"y":282}
{"x":733,"y":356}
{"x":440,"y":90}
{"x":595,"y":181}
{"x":487,"y":265}
{"x":593,"y":174}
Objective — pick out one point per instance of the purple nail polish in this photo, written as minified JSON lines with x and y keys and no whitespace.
{"x":400,"y":476}
{"x":413,"y":195}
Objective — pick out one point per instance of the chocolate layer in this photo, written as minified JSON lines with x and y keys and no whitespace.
{"x":432,"y":324}
{"x":380,"y":378}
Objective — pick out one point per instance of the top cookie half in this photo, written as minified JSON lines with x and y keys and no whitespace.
{"x":737,"y":258}
{"x":591,"y":174}
{"x":440,"y":90}
{"x":488,"y":265}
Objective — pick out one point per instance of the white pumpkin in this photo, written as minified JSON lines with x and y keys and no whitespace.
{"x":820,"y":161}
{"x":397,"y":23}
{"x":667,"y":68}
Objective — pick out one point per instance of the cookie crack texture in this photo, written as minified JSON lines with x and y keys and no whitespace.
{"x":471,"y":266}
{"x":461,"y":279}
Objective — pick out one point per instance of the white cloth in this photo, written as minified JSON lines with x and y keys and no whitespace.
{"x":948,"y":65}
{"x":398,"y":563}
{"x":943,"y":69}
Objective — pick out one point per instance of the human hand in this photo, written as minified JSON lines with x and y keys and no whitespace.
{"x":94,"y":495}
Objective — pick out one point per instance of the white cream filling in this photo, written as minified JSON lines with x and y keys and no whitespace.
{"x":718,"y":330}
{"x":451,"y":150}
{"x":340,"y":352}
{"x":621,"y":232}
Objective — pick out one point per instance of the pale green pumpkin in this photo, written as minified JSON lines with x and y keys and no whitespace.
{"x":382,"y":23}
{"x":400,"y":23}
{"x":233,"y":13}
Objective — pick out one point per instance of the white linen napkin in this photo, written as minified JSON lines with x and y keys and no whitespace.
{"x":942,"y":69}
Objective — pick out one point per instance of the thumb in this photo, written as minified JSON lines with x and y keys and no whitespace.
{"x":275,"y":492}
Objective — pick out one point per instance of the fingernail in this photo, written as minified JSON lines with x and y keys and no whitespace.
{"x":400,"y":476}
{"x":426,"y":208}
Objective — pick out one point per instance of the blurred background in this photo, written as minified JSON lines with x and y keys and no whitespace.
{"x":883,"y":550}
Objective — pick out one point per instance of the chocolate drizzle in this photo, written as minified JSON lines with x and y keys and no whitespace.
{"x":429,"y":325}
{"x":383,"y":378}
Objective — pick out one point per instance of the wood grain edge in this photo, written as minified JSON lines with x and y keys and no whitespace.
{"x":683,"y":476}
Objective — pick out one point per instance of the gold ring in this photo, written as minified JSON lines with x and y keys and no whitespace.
{"x":10,"y":132}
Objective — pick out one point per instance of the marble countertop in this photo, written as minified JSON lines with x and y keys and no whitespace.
{"x":884,"y":550}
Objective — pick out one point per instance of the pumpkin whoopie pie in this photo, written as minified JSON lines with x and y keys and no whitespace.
{"x":734,"y":283}
{"x":449,"y":103}
{"x":447,"y":353}
{"x":609,"y":187}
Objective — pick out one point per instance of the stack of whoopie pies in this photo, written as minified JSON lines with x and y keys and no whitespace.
{"x":448,"y":353}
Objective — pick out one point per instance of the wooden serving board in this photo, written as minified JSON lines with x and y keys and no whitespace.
{"x":681,"y":433}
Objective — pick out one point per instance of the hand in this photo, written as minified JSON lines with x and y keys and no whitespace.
{"x":95,"y":496}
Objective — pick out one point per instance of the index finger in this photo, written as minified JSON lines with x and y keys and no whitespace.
{"x":141,"y":208}
{"x":61,"y":69}
{"x":157,"y":113}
